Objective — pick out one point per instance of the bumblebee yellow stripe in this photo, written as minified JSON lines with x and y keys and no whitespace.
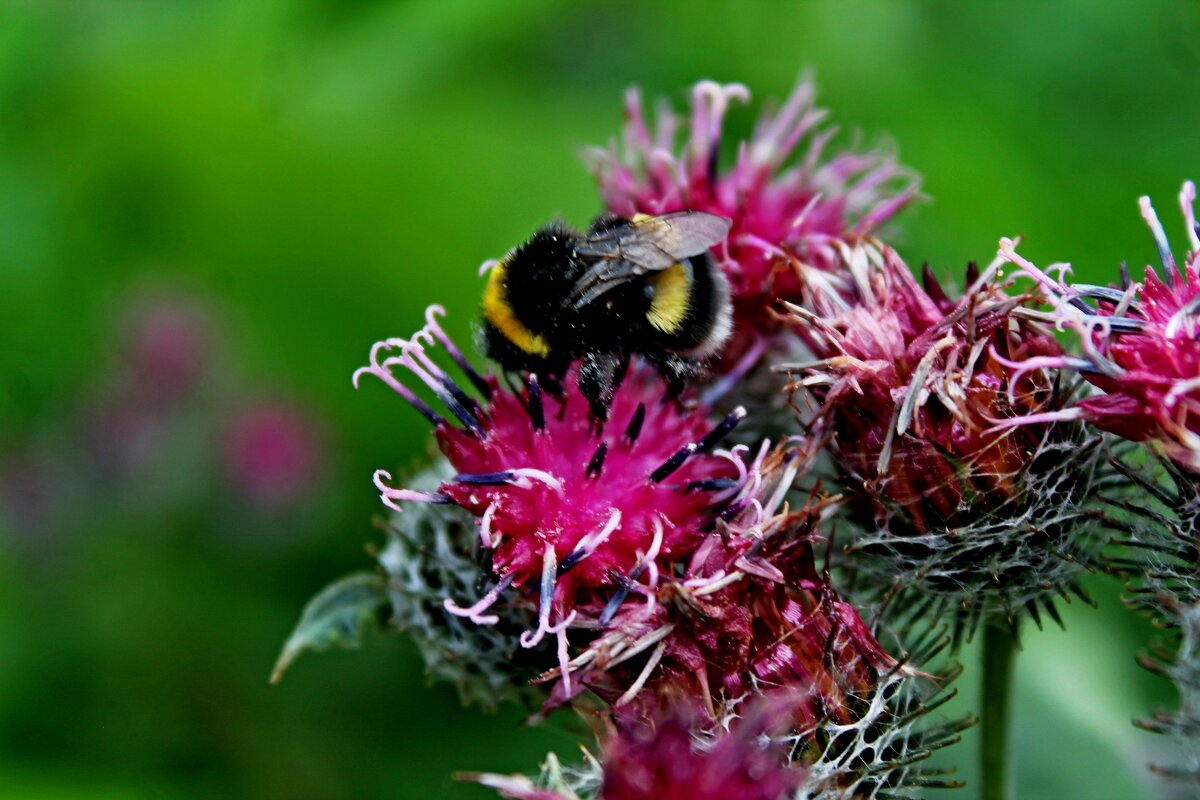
{"x":499,"y":312}
{"x":672,"y":298}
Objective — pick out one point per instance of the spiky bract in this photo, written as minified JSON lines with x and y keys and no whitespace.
{"x":917,"y":397}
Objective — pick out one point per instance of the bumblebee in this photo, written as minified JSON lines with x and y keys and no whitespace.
{"x":644,"y":285}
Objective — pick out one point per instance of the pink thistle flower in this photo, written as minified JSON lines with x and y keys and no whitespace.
{"x":917,"y":397}
{"x":674,"y":753}
{"x":788,"y":200}
{"x":666,"y":760}
{"x":909,"y":383}
{"x":166,"y":354}
{"x":749,"y":610}
{"x":1139,"y":344}
{"x":663,"y":763}
{"x":676,"y":567}
{"x":167,"y":348}
{"x":566,"y":509}
{"x":270,"y":454}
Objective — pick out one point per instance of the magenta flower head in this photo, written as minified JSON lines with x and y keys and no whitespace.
{"x":665,"y":759}
{"x":788,"y":199}
{"x":1139,"y":344}
{"x":661,"y":565}
{"x":749,"y":608}
{"x":566,"y":509}
{"x":674,"y":753}
{"x":661,"y":763}
{"x":167,"y":348}
{"x":911,"y":392}
{"x":271,"y":454}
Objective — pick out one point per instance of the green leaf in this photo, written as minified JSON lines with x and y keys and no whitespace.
{"x":342,"y":615}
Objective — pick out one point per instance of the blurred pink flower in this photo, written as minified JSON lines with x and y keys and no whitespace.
{"x":271,"y":453}
{"x":165,"y":355}
{"x":167,"y":347}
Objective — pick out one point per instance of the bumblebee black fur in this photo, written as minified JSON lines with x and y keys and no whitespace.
{"x":644,"y":286}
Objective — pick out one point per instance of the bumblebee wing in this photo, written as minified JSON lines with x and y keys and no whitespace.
{"x":645,"y":244}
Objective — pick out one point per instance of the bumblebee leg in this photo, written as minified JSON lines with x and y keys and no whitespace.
{"x":678,"y":372}
{"x":596,"y":382}
{"x":622,"y":369}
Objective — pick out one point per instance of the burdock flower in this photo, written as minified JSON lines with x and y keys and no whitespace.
{"x":748,"y":609}
{"x":666,"y":760}
{"x":912,"y":392}
{"x":675,"y":753}
{"x":789,"y":200}
{"x":748,"y":615}
{"x":661,"y":565}
{"x":1139,"y":344}
{"x":566,"y":510}
{"x":271,"y":453}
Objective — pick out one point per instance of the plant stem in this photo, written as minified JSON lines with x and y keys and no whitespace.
{"x":999,"y":647}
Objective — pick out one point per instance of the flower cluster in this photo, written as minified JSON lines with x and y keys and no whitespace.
{"x":916,"y":396}
{"x":667,"y":571}
{"x":660,"y":565}
{"x":677,"y":556}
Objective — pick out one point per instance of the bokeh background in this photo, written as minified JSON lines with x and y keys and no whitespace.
{"x":210,"y":210}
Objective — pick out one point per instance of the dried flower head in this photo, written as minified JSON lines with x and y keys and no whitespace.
{"x":789,"y":201}
{"x":1139,"y":343}
{"x":914,"y":394}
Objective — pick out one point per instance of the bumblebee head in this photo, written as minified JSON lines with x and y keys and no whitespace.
{"x":506,"y":332}
{"x":524,"y":296}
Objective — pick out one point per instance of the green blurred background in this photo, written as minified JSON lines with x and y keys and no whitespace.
{"x":260,"y":189}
